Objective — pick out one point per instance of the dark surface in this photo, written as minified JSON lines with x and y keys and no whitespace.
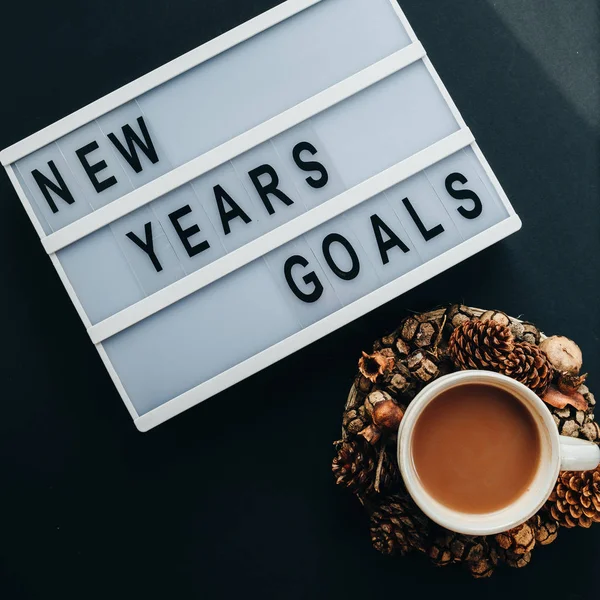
{"x":235,"y":497}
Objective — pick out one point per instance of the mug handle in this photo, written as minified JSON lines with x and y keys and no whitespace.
{"x":578,"y":455}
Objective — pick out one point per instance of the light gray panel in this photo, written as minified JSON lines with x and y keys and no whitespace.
{"x":99,"y":272}
{"x":270,"y":73}
{"x":320,"y":300}
{"x":395,"y":261}
{"x":181,"y":199}
{"x":66,"y":213}
{"x":428,"y":209}
{"x":265,"y":157}
{"x":385,"y":124}
{"x":152,"y":278}
{"x":465,"y":164}
{"x":112,"y":173}
{"x":34,"y":205}
{"x":365,"y":281}
{"x":201,"y":336}
{"x":321,"y":187}
{"x":239,"y":232}
{"x":146,"y":170}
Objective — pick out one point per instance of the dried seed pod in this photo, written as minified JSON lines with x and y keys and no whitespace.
{"x":402,"y":348}
{"x":398,"y":385}
{"x":497,"y":317}
{"x":564,"y":354}
{"x":518,"y":330}
{"x":569,"y":383}
{"x":388,"y":340}
{"x":426,"y":334}
{"x":422,"y":367}
{"x":353,"y":422}
{"x":531,"y":334}
{"x":408,"y":329}
{"x":373,"y":366}
{"x":364,"y":385}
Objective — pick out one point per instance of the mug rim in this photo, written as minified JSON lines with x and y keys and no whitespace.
{"x":509,"y":516}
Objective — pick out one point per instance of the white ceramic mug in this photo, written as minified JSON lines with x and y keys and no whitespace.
{"x":558,"y":453}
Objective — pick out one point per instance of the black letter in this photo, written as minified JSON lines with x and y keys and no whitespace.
{"x":308,"y":279}
{"x":186,"y":234}
{"x":309,"y":166}
{"x":392,"y":242}
{"x":91,"y":170}
{"x":464,"y":195}
{"x":60,"y":188}
{"x":428,"y":234}
{"x":222,"y":196}
{"x":147,"y":246}
{"x":270,"y":188}
{"x":354,"y":270}
{"x":131,"y":138}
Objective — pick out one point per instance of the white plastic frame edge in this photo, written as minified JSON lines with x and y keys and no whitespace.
{"x":157,"y":77}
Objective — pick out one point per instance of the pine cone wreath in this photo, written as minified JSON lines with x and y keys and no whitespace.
{"x":424,"y":347}
{"x":398,"y":526}
{"x":475,"y":553}
{"x":356,"y":467}
{"x":490,"y":345}
{"x":575,"y":500}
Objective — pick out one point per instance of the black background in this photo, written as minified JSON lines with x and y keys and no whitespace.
{"x":236,"y":497}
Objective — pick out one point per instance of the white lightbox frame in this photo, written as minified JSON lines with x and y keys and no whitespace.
{"x":271,"y":240}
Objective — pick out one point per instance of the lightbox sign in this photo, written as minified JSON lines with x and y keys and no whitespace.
{"x":254,"y":195}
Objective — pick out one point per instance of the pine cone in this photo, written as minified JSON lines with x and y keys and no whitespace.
{"x":575,"y":501}
{"x":476,"y":553}
{"x":530,"y":366}
{"x":355,"y":467}
{"x":515,"y":546}
{"x":578,"y":423}
{"x":480,"y":345}
{"x":489,"y":345}
{"x":397,"y":525}
{"x":546,"y":528}
{"x":516,"y":561}
{"x":519,"y":540}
